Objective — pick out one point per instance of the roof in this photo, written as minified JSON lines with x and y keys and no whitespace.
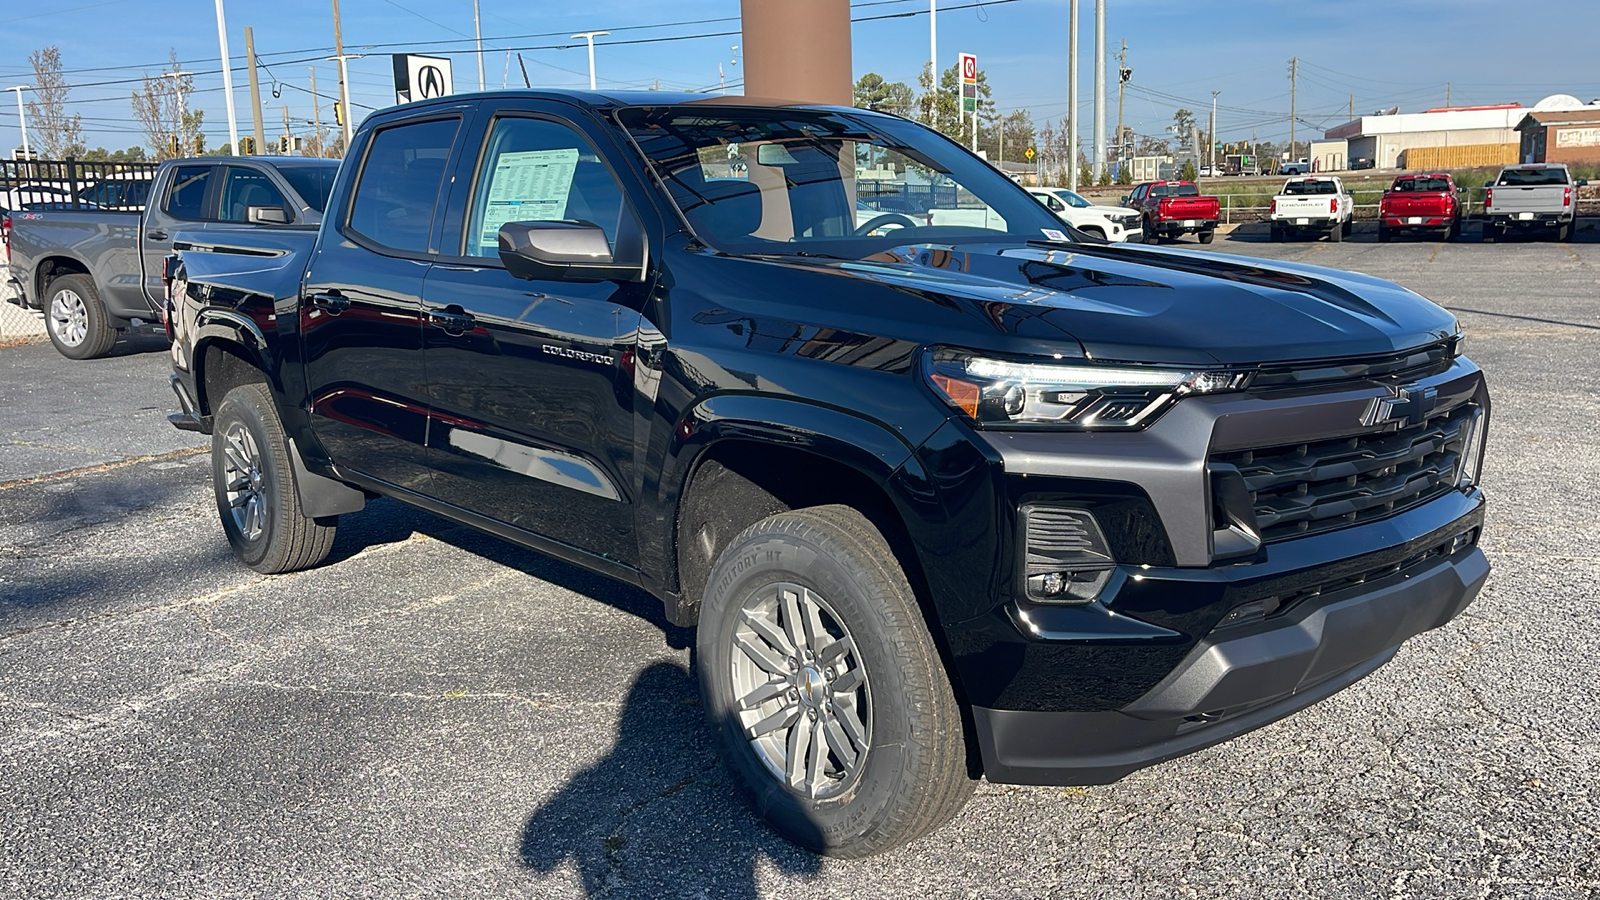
{"x":1589,"y":115}
{"x":605,"y":99}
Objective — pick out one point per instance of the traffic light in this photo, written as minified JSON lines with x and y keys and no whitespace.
{"x":173,"y":147}
{"x":247,"y":146}
{"x":338,"y":113}
{"x":283,"y":145}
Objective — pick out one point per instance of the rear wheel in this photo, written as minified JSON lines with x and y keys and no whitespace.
{"x":1454,"y":231}
{"x":1207,"y":236}
{"x":825,"y":688}
{"x":1349,"y":227}
{"x":254,"y":482}
{"x":1383,"y":234}
{"x":1276,"y":235}
{"x":76,"y":320}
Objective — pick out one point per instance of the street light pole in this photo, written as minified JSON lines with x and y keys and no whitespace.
{"x":477,"y":31}
{"x":1214,"y":131}
{"x":590,"y":36}
{"x":1072,"y":96}
{"x":227,"y":80}
{"x":933,"y":61}
{"x":22,"y":116}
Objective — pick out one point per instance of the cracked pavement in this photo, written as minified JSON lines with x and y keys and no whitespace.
{"x":436,"y":712}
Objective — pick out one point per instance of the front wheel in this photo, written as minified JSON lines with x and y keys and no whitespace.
{"x":254,"y":481}
{"x":76,"y":320}
{"x":825,"y":688}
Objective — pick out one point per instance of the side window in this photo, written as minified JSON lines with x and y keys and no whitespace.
{"x":187,"y":198}
{"x":399,"y":183}
{"x":535,"y":170}
{"x":244,"y":188}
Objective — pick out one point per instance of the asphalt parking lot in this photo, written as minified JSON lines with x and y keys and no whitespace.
{"x":435,"y":712}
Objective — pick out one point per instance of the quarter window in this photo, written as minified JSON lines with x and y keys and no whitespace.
{"x":536,"y":170}
{"x":399,"y":184}
{"x":187,"y":199}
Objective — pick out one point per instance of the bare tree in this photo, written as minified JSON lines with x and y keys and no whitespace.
{"x":56,"y":134}
{"x":162,"y":108}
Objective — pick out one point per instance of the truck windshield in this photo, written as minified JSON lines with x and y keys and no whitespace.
{"x":1533,"y":177}
{"x":1294,"y":188}
{"x":827,"y":182}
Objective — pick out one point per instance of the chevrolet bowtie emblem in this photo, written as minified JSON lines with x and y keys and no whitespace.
{"x":1403,"y":407}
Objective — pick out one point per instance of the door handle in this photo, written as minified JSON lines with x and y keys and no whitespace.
{"x":451,"y":320}
{"x":332,"y":301}
{"x":156,"y":235}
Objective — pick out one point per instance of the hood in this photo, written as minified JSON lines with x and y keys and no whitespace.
{"x":1110,"y":211}
{"x":1147,"y":304}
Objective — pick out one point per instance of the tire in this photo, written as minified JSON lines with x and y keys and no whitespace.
{"x":1094,"y":231}
{"x":831,"y":570}
{"x":1276,"y":235}
{"x":1564,"y":232}
{"x":254,"y":482}
{"x":1384,"y":236}
{"x":1207,"y":237}
{"x":1453,"y":233}
{"x":75,"y":318}
{"x":1349,"y":227}
{"x":1491,"y":232}
{"x":1336,"y":234}
{"x":1150,"y":236}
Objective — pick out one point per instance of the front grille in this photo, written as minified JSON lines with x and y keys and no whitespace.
{"x":1409,"y":365}
{"x":1307,"y":488}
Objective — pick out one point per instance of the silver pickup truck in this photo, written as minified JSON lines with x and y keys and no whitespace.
{"x":96,"y":271}
{"x":1542,"y":196}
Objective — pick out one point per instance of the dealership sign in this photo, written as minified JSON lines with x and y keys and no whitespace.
{"x":1578,"y":137}
{"x":421,"y":77}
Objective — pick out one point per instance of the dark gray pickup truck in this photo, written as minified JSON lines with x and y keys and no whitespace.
{"x":97,"y":271}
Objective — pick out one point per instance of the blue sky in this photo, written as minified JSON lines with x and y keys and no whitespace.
{"x":1385,"y":52}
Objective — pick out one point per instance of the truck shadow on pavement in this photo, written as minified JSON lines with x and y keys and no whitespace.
{"x":658,"y":816}
{"x":1366,"y":231}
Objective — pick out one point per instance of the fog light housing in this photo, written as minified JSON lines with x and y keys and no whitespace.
{"x":1065,"y":556}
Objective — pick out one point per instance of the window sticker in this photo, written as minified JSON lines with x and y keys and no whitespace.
{"x":1053,"y":234}
{"x":527,"y":186}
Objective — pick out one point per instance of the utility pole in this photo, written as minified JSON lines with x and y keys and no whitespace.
{"x":1352,"y":107}
{"x":477,"y":31}
{"x":288,"y":141}
{"x":1099,"y":88}
{"x":316,"y":112}
{"x":1123,"y":74}
{"x":227,"y":80}
{"x":524,"y":67}
{"x":1072,"y":97}
{"x":590,"y":36}
{"x":933,"y":60}
{"x":255,"y":86}
{"x":344,"y":81}
{"x":1447,"y":94}
{"x":1214,"y":130}
{"x":22,"y":115}
{"x":1294,"y":76}
{"x":177,"y":77}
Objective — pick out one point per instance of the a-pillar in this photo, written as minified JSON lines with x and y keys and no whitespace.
{"x":797,"y":50}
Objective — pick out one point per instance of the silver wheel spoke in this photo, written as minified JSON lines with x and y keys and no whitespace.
{"x":762,"y":694}
{"x":799,"y":743}
{"x":816,"y":634}
{"x":238,"y":484}
{"x":236,"y":459}
{"x":817,"y":756}
{"x":769,"y":632}
{"x":773,"y":722}
{"x":791,"y":618}
{"x":842,"y":746}
{"x":762,"y":655}
{"x":846,"y":715}
{"x":239,"y":501}
{"x":835,"y":650}
{"x":847,"y":682}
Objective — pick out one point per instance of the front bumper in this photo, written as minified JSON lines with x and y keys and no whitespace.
{"x":1235,"y":680}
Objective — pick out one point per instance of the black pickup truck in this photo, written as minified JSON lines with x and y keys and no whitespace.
{"x":944,"y":500}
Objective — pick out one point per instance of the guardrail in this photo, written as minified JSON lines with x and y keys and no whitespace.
{"x":74,"y":184}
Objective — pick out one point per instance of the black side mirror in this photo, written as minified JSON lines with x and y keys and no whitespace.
{"x":1582,"y":182}
{"x":1124,"y":199}
{"x":570,"y":251}
{"x":266,"y":215}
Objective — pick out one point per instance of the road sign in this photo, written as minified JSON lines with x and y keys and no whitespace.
{"x":969,"y":68}
{"x":1028,"y":154}
{"x":969,"y":104}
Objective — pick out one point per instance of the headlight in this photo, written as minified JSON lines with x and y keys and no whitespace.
{"x":1072,"y":396}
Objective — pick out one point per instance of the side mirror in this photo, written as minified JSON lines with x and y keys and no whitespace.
{"x":570,"y":251}
{"x":266,"y":215}
{"x":1124,"y":199}
{"x":1582,"y":182}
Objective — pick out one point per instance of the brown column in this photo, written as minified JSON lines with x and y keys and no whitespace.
{"x":797,"y":50}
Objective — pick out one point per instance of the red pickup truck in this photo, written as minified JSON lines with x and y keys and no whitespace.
{"x":1173,"y":208}
{"x":1420,"y":202}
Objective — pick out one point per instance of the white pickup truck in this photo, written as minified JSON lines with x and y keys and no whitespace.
{"x":1114,"y":223}
{"x":1315,"y":205}
{"x":1541,"y":196}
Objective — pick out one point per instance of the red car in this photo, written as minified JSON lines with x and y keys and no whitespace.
{"x":1420,"y":203}
{"x":1172,"y":208}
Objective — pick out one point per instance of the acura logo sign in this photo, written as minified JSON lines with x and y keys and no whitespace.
{"x":421,"y":77}
{"x":430,"y":83}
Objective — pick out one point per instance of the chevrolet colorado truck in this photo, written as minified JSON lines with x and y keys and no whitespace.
{"x":1532,"y":196}
{"x":1313,"y":205}
{"x":1168,"y":209}
{"x":943,"y":501}
{"x":1420,"y":203}
{"x":95,"y":271}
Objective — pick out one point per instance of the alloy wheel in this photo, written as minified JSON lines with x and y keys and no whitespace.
{"x":244,"y":487}
{"x":802,"y":694}
{"x":69,"y":317}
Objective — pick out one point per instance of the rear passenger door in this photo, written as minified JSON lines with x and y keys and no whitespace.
{"x":186,"y":201}
{"x":361,"y":302}
{"x":531,"y":388}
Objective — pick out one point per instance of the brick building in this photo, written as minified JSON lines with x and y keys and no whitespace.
{"x":1561,"y":136}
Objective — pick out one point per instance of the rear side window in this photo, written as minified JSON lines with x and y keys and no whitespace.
{"x":244,"y":188}
{"x":539,"y":171}
{"x":187,"y":199}
{"x":399,"y":184}
{"x":312,"y":183}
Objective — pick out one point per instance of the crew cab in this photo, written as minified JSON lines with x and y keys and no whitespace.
{"x":1315,"y":205}
{"x":940,"y":499}
{"x":1420,"y":203}
{"x":1168,"y":209}
{"x":1533,"y":196}
{"x":1114,"y":223}
{"x":97,"y":271}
